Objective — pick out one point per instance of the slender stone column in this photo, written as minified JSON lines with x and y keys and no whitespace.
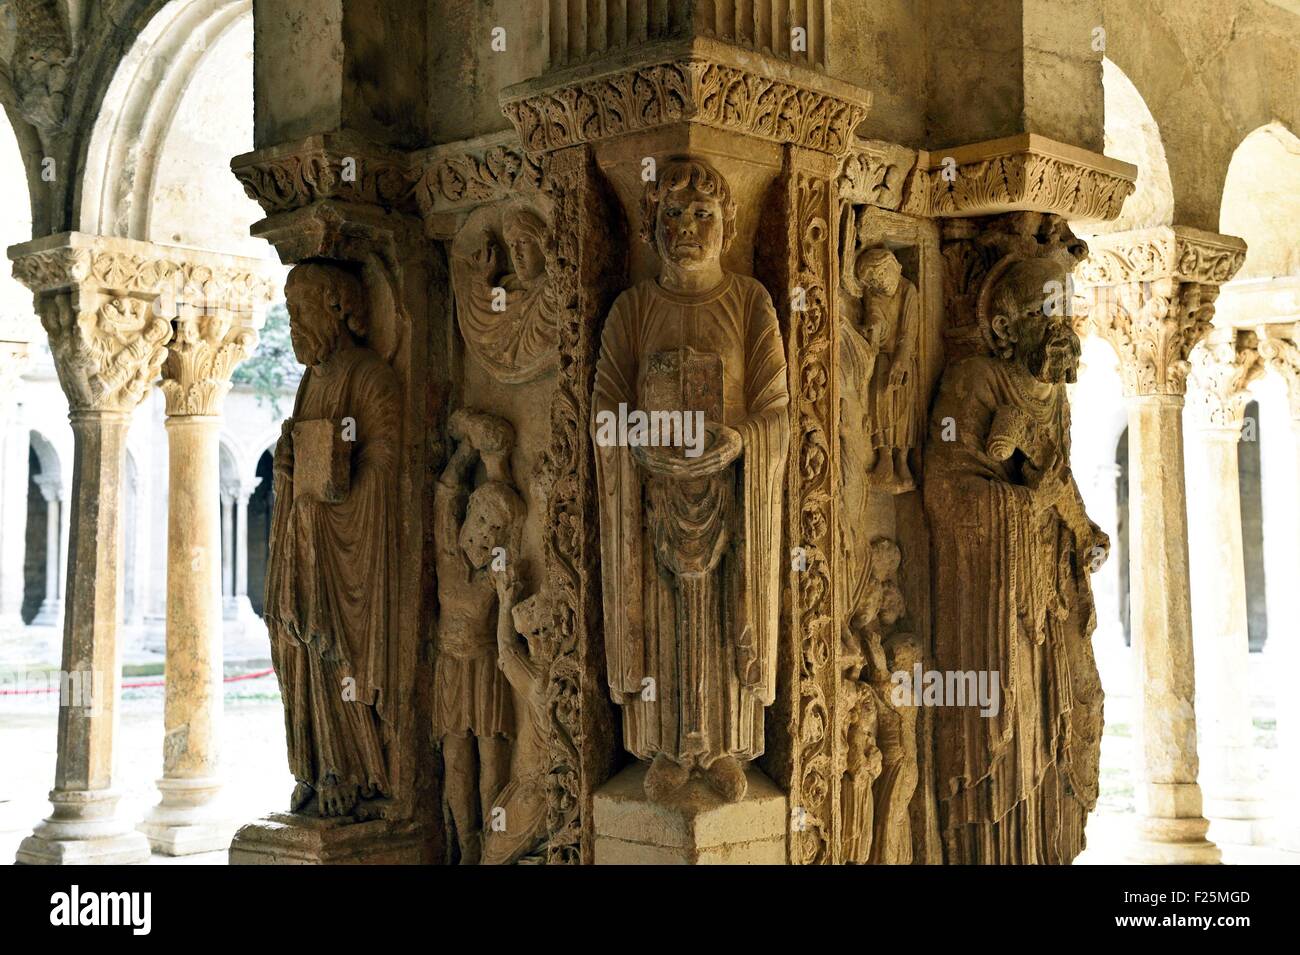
{"x":1281,"y":354}
{"x":93,"y":296}
{"x":243,"y":606}
{"x":1222,"y":367}
{"x":227,"y":552}
{"x":215,"y":329}
{"x":1151,"y":295}
{"x":51,"y":609}
{"x":13,"y":487}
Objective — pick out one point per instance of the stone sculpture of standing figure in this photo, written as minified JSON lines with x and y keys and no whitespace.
{"x":332,"y":569}
{"x":690,"y":546}
{"x":472,"y":712}
{"x":893,"y":323}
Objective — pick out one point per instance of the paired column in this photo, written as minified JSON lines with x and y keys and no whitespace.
{"x":1151,"y":295}
{"x":1222,"y":367}
{"x":51,"y":610}
{"x":227,"y":551}
{"x":108,"y":343}
{"x":13,"y":487}
{"x":1281,"y":355}
{"x":217,"y":316}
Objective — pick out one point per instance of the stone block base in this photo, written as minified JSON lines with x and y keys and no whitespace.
{"x":189,"y":819}
{"x":1174,"y":842}
{"x":292,"y":839}
{"x":696,"y":828}
{"x":83,"y":829}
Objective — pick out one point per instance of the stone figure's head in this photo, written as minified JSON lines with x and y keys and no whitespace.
{"x":532,"y":618}
{"x":492,"y":519}
{"x":525,"y":234}
{"x":688,"y":214}
{"x":325,"y":302}
{"x":878,"y":271}
{"x":1028,"y":320}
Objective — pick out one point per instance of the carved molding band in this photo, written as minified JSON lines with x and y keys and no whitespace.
{"x":876,"y":173}
{"x":463,"y":175}
{"x":1019,"y":173}
{"x":330,"y":166}
{"x":1177,"y":252}
{"x":688,"y":88}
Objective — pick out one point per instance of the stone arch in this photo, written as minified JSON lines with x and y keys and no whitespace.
{"x":148,"y":126}
{"x":1260,"y":202}
{"x":1133,"y":135}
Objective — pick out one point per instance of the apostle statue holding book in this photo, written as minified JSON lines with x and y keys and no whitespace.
{"x":691,"y":537}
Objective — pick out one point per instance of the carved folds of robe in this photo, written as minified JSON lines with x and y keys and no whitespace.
{"x":708,"y":551}
{"x":1012,"y":596}
{"x":330,"y":582}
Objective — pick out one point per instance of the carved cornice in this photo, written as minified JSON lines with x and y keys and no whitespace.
{"x":107,"y":305}
{"x":1280,"y":353}
{"x":1025,"y":173}
{"x":1177,"y":252}
{"x":1222,"y":367}
{"x":459,"y":176}
{"x":876,"y":173}
{"x":327,"y":166}
{"x":703,"y":82}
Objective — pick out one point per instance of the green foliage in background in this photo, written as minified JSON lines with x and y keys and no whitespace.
{"x":273,"y":367}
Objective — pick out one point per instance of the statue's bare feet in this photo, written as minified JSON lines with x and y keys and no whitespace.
{"x":373,"y":808}
{"x":338,"y":799}
{"x":303,"y":793}
{"x":663,"y":778}
{"x":727,"y":777}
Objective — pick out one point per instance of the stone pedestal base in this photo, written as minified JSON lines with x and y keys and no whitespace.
{"x":83,"y":829}
{"x":695,"y":828}
{"x":285,"y":838}
{"x":187,"y":820}
{"x":1172,"y":830}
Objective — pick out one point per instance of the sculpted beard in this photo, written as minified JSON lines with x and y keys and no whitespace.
{"x":1055,"y":359}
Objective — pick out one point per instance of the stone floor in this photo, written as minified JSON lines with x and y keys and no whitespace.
{"x":258,"y":781}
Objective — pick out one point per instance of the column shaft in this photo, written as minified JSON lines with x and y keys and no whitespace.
{"x":83,"y":826}
{"x":1171,"y":826}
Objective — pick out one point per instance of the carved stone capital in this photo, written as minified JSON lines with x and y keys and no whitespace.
{"x":700,"y":81}
{"x":1174,"y":252}
{"x":876,"y":173}
{"x":334,"y":166}
{"x":1151,"y":294}
{"x":1025,"y":173}
{"x":201,"y":357}
{"x":107,"y":305}
{"x":1279,"y":351}
{"x":1222,"y":366}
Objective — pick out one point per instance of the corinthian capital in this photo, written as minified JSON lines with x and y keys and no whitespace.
{"x":1151,"y":294}
{"x":107,"y":305}
{"x":1222,"y":366}
{"x":1280,"y":353}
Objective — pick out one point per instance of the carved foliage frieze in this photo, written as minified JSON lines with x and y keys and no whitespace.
{"x":687,"y":89}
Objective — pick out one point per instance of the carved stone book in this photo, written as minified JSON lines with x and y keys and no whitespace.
{"x":322,"y":461}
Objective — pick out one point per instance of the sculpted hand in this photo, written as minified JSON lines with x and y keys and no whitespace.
{"x":725,"y":446}
{"x":897,"y":376}
{"x":282,"y":460}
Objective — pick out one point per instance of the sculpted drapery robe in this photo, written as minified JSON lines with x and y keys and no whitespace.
{"x":737,"y":677}
{"x":331,"y":583}
{"x":1012,"y":596}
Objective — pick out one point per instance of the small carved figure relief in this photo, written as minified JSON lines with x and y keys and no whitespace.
{"x":332,"y":565}
{"x":1012,"y":554}
{"x":862,"y":757}
{"x":475,"y":529}
{"x":892,"y":328}
{"x":504,"y":304}
{"x":690,"y":542}
{"x":517,"y":823}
